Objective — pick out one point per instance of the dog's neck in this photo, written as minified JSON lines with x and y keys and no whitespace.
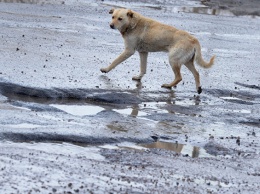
{"x":124,"y":31}
{"x":130,"y":27}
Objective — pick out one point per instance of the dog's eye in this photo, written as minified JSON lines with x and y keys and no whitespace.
{"x":113,"y":17}
{"x":120,"y":19}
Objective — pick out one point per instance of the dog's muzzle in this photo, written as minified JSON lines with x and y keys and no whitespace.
{"x":112,"y":26}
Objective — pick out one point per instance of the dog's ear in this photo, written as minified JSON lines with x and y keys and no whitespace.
{"x":130,"y":14}
{"x":111,"y":11}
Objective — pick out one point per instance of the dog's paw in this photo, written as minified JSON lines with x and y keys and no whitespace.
{"x":199,"y":90}
{"x":104,"y":70}
{"x":168,"y":86}
{"x":137,"y":78}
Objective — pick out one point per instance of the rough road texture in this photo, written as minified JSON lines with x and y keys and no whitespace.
{"x":66,"y":127}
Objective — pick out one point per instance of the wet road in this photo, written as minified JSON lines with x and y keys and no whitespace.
{"x":66,"y":127}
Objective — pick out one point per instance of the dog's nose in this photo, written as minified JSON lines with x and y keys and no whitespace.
{"x":112,"y":26}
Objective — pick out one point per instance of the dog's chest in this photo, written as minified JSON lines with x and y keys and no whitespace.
{"x":137,"y":44}
{"x":142,"y":46}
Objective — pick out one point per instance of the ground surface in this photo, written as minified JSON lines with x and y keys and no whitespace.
{"x":66,"y":127}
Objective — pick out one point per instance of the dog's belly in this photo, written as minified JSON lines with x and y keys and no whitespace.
{"x":151,"y":47}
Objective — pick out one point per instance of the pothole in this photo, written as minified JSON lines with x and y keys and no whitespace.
{"x":184,"y":149}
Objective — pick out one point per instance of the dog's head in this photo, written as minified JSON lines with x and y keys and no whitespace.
{"x":121,"y":19}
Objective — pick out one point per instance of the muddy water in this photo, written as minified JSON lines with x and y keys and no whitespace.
{"x":186,"y":150}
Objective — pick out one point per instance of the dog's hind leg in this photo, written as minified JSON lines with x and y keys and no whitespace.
{"x":191,"y":67}
{"x":175,"y":58}
{"x":177,"y":72}
{"x":143,"y":65}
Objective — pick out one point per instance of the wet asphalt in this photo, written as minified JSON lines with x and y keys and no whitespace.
{"x":66,"y":127}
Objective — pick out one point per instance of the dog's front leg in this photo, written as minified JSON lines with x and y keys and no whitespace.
{"x":143,"y":65}
{"x":122,"y":57}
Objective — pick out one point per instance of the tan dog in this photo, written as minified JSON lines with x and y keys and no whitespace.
{"x":145,"y":35}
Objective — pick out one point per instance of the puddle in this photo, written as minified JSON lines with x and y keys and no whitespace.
{"x":200,"y":10}
{"x":88,"y":110}
{"x":131,"y":111}
{"x":143,"y":109}
{"x":123,"y":145}
{"x":154,"y":108}
{"x":185,"y":149}
{"x":187,"y":102}
{"x":229,"y":98}
{"x":237,"y":100}
{"x":79,"y":110}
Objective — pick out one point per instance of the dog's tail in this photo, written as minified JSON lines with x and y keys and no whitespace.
{"x":199,"y":60}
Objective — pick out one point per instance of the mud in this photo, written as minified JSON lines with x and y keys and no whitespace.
{"x":67,"y":128}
